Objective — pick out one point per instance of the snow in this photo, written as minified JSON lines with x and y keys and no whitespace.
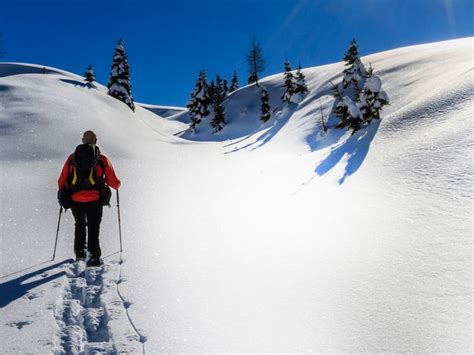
{"x":351,"y":107}
{"x":270,"y":237}
{"x":373,"y":83}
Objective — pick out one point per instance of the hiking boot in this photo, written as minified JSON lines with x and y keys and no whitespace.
{"x":80,"y":256}
{"x":94,"y":262}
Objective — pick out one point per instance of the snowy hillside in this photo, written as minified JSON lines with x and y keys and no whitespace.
{"x":163,"y":111}
{"x":261,"y":238}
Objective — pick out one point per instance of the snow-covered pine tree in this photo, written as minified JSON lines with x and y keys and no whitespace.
{"x":199,"y":103}
{"x":226,"y":86}
{"x":372,"y":98}
{"x":234,"y":84}
{"x":348,"y":92}
{"x":289,"y":86}
{"x":218,"y":120}
{"x":211,"y":90}
{"x":89,"y":76}
{"x":119,"y":81}
{"x":355,"y":70}
{"x":255,"y":61}
{"x":300,"y":84}
{"x":219,"y":85}
{"x":265,"y":112}
{"x":349,"y":114}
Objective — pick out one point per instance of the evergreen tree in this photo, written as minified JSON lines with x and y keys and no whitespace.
{"x":255,"y":61}
{"x":234,"y":84}
{"x":355,"y":70}
{"x":198,"y":105}
{"x":372,"y":98}
{"x":289,"y":85}
{"x":349,"y":114}
{"x":226,"y":86}
{"x":352,"y":53}
{"x":265,"y":113}
{"x":219,"y":85}
{"x":89,"y":77}
{"x":300,"y":85}
{"x":119,"y":81}
{"x":211,"y":91}
{"x":218,"y":98}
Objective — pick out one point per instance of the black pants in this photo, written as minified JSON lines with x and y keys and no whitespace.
{"x":87,"y":214}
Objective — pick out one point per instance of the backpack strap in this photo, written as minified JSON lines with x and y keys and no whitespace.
{"x":72,"y":171}
{"x":102,"y":165}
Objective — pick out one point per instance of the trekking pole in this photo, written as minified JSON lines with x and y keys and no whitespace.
{"x":120,"y":228}
{"x":57,"y":232}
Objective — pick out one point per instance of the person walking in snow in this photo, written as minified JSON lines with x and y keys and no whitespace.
{"x":84,"y":187}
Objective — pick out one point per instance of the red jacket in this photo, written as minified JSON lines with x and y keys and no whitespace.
{"x":90,"y":195}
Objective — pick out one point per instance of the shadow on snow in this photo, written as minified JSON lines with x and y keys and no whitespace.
{"x":264,"y":137}
{"x":16,"y":288}
{"x":356,"y":148}
{"x":77,"y":83}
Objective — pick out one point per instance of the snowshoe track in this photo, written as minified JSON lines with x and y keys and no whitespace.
{"x":81,"y":316}
{"x":89,"y":304}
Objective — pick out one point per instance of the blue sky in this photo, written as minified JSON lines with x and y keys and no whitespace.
{"x":168,"y":42}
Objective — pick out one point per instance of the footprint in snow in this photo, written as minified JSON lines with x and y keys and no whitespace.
{"x":32,"y":295}
{"x":19,"y":324}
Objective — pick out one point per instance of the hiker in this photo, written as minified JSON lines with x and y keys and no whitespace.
{"x":84,"y":187}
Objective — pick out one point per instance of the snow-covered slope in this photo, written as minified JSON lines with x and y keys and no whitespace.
{"x":269,"y":238}
{"x":163,"y":111}
{"x":8,"y":69}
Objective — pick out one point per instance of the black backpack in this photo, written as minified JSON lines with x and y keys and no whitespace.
{"x":83,"y":176}
{"x":83,"y":169}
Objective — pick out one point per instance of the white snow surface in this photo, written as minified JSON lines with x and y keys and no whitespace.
{"x":261,"y":238}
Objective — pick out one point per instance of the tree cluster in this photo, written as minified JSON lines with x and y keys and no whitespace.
{"x":119,"y":85}
{"x":209,"y":98}
{"x":359,"y":97}
{"x":295,"y":88}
